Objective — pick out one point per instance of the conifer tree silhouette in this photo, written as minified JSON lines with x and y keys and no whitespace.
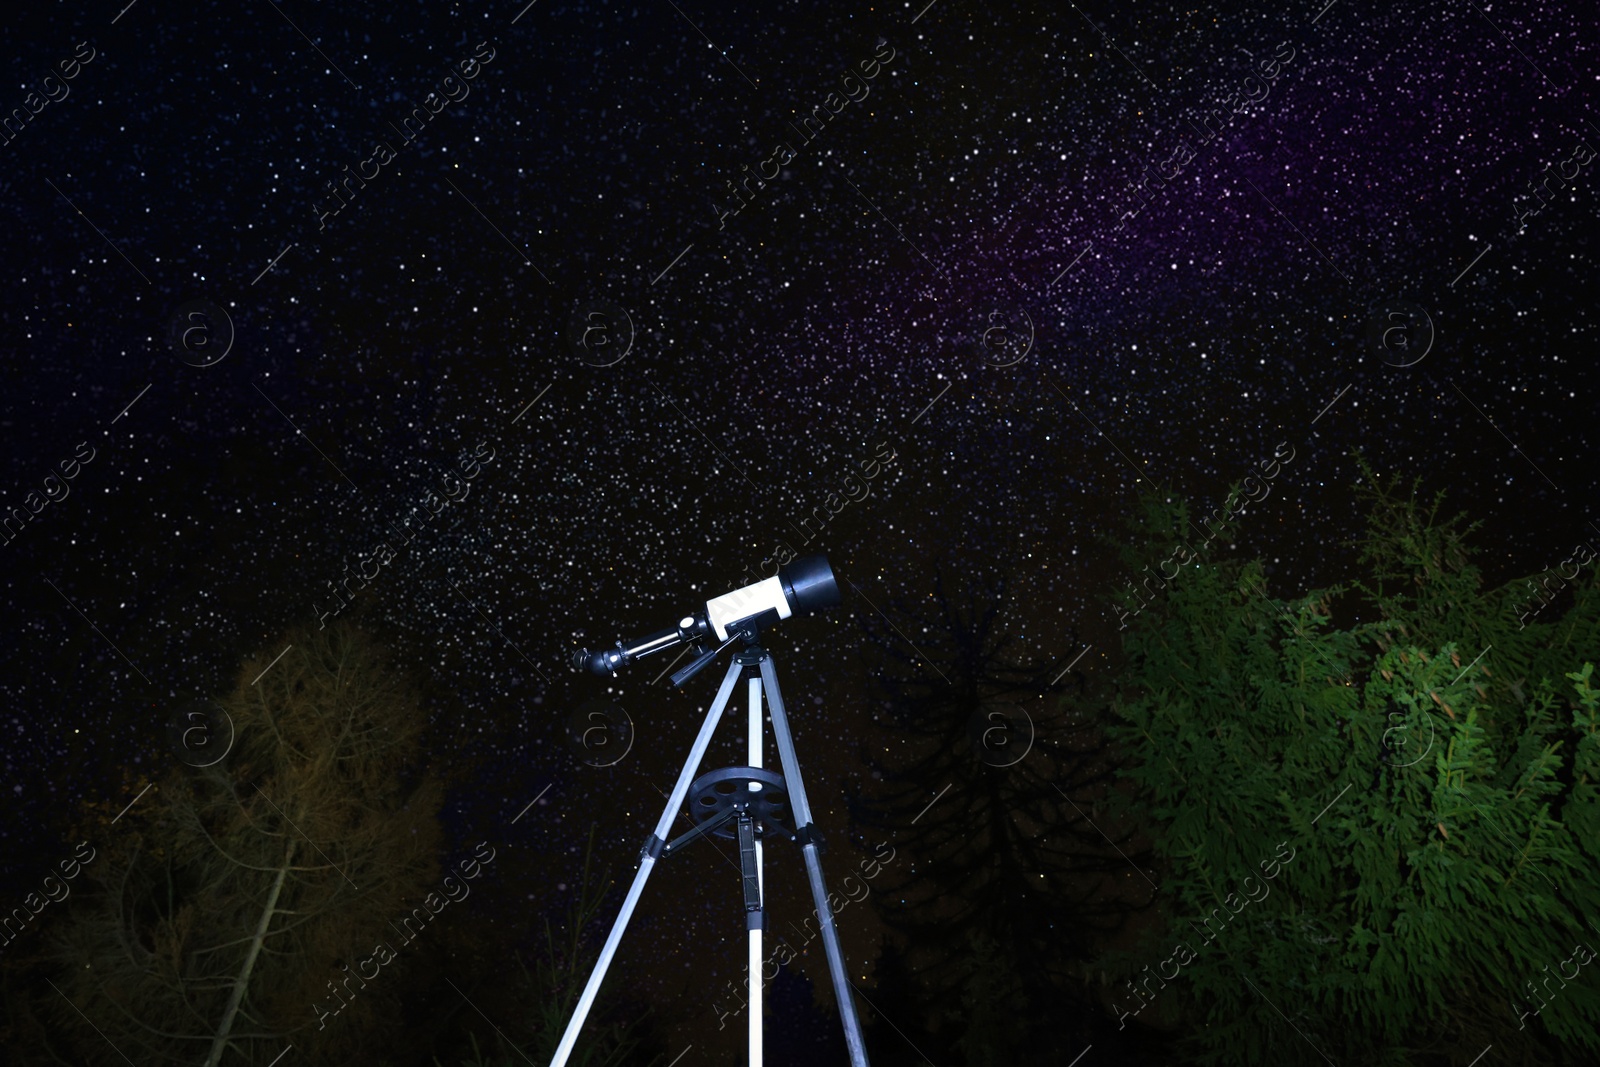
{"x":1011,"y":857}
{"x":230,"y":914}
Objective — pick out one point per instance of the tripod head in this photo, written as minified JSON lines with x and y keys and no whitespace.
{"x":749,"y":629}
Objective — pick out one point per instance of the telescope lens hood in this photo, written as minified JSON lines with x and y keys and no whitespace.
{"x":809,"y":584}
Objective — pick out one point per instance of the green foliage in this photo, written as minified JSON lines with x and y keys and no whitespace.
{"x":1432,"y":771}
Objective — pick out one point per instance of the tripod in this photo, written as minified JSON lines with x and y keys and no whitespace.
{"x":748,"y":801}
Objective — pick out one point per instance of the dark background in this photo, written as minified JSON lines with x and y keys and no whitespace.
{"x":853,"y":303}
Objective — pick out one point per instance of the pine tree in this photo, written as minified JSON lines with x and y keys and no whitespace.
{"x":241,"y":893}
{"x":1010,"y":853}
{"x":993,"y":1001}
{"x":1379,"y":840}
{"x":894,"y":1021}
{"x":801,"y":1027}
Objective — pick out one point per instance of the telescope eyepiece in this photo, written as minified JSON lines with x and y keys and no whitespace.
{"x":603,"y":663}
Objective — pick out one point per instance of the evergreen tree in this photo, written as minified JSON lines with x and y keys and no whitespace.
{"x":895,"y":1020}
{"x":1010,"y":857}
{"x":235,"y":896}
{"x":1379,"y":839}
{"x":993,"y":1000}
{"x":800,"y":1029}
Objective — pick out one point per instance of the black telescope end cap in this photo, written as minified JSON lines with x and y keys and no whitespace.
{"x":809,"y":584}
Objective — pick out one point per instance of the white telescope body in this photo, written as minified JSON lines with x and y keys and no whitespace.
{"x":743,"y":603}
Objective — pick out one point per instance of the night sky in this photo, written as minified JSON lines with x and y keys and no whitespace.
{"x":640,"y":287}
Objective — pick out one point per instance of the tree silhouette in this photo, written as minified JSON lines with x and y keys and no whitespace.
{"x":230,"y":919}
{"x":1010,"y":873}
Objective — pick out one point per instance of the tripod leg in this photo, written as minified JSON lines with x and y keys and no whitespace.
{"x":755,"y":920}
{"x":819,"y":889}
{"x":647,"y":861}
{"x":750,"y":864}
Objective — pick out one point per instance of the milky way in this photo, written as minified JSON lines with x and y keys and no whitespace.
{"x":1382,"y":241}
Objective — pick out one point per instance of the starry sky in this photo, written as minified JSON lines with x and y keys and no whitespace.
{"x":639,"y":288}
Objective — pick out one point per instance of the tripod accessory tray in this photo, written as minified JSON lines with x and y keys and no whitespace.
{"x":719,"y":794}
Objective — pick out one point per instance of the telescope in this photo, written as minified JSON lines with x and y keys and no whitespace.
{"x":748,"y":802}
{"x":800,"y":587}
